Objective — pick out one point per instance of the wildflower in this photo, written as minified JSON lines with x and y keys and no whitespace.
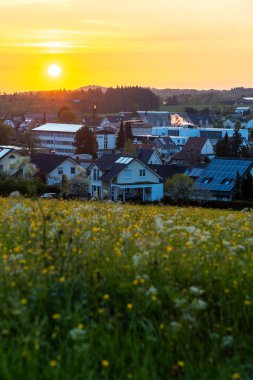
{"x":53,"y":363}
{"x":61,"y":279}
{"x":56,"y":316}
{"x":235,"y":376}
{"x":105,"y":363}
{"x":247,"y":302}
{"x":23,"y":301}
{"x":106,"y":297}
{"x":169,"y":248}
{"x":129,"y":306}
{"x":180,"y":363}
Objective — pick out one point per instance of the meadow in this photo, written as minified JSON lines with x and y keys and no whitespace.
{"x":94,"y":291}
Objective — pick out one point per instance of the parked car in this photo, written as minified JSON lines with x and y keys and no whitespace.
{"x":49,"y":195}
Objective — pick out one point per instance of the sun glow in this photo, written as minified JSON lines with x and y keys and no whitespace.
{"x":54,"y":70}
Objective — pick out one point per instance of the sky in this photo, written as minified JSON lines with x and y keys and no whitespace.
{"x":153,"y":43}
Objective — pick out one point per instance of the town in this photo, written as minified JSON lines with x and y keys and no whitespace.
{"x":141,"y":156}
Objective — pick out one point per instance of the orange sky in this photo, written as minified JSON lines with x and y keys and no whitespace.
{"x":157,"y":43}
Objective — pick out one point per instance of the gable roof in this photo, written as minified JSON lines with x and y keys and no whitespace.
{"x":220,"y":169}
{"x":46,"y":163}
{"x":167,"y":171}
{"x":5,"y":150}
{"x":195,"y":143}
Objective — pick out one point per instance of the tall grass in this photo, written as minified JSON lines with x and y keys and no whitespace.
{"x":124,"y":292}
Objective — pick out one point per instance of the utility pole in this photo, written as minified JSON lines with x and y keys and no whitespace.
{"x":94,"y":116}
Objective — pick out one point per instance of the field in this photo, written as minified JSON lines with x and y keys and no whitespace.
{"x":108,"y":291}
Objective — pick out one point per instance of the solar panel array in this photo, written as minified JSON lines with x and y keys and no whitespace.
{"x":219,"y":170}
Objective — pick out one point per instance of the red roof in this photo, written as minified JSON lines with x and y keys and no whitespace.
{"x":195,"y":143}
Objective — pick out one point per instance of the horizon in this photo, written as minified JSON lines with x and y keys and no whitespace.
{"x":130,"y":85}
{"x":184,"y":45}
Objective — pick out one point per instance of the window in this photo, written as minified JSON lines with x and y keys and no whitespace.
{"x":207,"y":180}
{"x":11,"y":157}
{"x":142,"y":172}
{"x":226,"y":181}
{"x":95,"y":174}
{"x":73,"y":170}
{"x":60,"y":170}
{"x":128,"y":173}
{"x":105,"y":144}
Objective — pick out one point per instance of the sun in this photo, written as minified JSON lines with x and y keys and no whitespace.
{"x":54,"y":70}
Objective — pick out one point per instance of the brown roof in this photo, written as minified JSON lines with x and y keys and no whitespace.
{"x":195,"y":143}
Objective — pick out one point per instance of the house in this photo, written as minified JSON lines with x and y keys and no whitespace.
{"x":196,"y":149}
{"x":124,"y":178}
{"x":8,"y":157}
{"x":196,"y":170}
{"x":155,"y":118}
{"x":166,"y":146}
{"x":106,"y":140}
{"x":148,"y":156}
{"x":53,"y":167}
{"x":204,"y":121}
{"x":219,"y":178}
{"x":167,"y":171}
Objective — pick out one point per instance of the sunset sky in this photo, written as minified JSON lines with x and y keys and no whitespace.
{"x":156,"y":43}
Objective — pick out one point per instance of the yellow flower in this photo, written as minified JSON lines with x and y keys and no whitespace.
{"x":129,"y":306}
{"x":61,"y":279}
{"x":23,"y":301}
{"x":169,"y":248}
{"x":235,"y":376}
{"x":106,"y":297}
{"x":180,"y":363}
{"x":247,"y":302}
{"x":105,"y":363}
{"x":56,"y":316}
{"x":53,"y":363}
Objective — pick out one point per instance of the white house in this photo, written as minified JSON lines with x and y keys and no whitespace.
{"x":106,"y":141}
{"x":53,"y":167}
{"x":8,"y":158}
{"x":124,"y":178}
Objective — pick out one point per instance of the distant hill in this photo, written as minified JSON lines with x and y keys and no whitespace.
{"x":92,"y":87}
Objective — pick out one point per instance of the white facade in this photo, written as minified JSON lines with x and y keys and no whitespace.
{"x":212,"y":133}
{"x":58,"y":138}
{"x":68,"y":168}
{"x":134,"y":180}
{"x":106,"y":141}
{"x":8,"y":158}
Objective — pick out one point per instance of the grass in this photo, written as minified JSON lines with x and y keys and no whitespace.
{"x":109,"y":291}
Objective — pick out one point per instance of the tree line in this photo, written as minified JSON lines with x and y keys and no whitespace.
{"x":113,"y":100}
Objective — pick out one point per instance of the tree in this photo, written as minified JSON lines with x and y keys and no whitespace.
{"x":238,"y":186}
{"x":180,"y":188}
{"x":236,"y":143}
{"x":6,"y":134}
{"x":86,"y":142}
{"x":223,"y":147}
{"x":66,"y":115}
{"x":247,"y":186}
{"x":121,"y":136}
{"x":128,"y":129}
{"x":129,"y":148}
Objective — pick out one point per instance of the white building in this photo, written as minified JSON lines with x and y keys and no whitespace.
{"x":57,"y":138}
{"x":214,"y":134}
{"x":106,"y":141}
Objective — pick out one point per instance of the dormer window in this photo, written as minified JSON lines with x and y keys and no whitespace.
{"x":207,"y":180}
{"x":226,"y":181}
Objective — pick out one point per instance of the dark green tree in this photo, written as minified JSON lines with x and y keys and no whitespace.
{"x":238,"y":186}
{"x":7,"y":134}
{"x":128,"y":129}
{"x":247,"y":186}
{"x":86,"y":142}
{"x":121,"y":136}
